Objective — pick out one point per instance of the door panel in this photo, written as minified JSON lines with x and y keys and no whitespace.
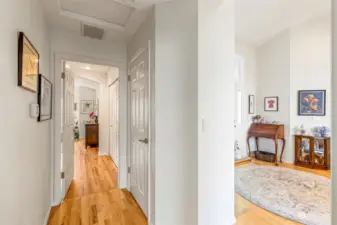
{"x":67,"y":145}
{"x":114,"y":121}
{"x":139,"y":130}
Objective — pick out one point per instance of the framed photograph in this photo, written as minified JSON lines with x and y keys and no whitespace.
{"x":271,"y":104}
{"x":87,"y":106}
{"x":44,"y":98}
{"x":28,"y":64}
{"x":251,"y":104}
{"x":311,"y":102}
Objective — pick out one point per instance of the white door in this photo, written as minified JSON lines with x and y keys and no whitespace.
{"x":139,"y":129}
{"x":67,"y":136}
{"x":114,"y":121}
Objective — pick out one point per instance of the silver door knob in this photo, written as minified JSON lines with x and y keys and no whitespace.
{"x":145,"y":141}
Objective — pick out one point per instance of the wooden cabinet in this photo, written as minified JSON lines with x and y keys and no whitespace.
{"x":91,"y":135}
{"x":271,"y":131}
{"x":312,"y":152}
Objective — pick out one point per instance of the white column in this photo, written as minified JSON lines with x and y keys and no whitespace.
{"x":216,"y":50}
{"x":176,"y":113}
{"x":334,"y":114}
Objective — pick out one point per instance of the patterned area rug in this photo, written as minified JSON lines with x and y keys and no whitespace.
{"x":296,"y":195}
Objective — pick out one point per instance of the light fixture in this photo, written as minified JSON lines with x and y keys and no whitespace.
{"x":67,"y":66}
{"x":87,"y":67}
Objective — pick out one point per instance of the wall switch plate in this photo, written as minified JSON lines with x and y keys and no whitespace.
{"x":34,"y":110}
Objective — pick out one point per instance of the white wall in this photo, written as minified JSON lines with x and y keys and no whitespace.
{"x":141,"y":39}
{"x":297,"y":59}
{"x":176,"y":118}
{"x":273,"y":60}
{"x":72,"y":47}
{"x":310,"y":69}
{"x":216,"y":54}
{"x":26,"y":155}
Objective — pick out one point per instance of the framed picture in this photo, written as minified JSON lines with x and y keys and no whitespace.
{"x":311,"y":102}
{"x":44,"y":98}
{"x":87,"y":106}
{"x":28,"y":64}
{"x":251,"y":104}
{"x":271,"y":104}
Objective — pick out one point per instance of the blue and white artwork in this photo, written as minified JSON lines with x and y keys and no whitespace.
{"x":311,"y":103}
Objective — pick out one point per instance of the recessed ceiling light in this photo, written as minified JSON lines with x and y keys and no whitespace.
{"x":67,"y":66}
{"x":87,"y":67}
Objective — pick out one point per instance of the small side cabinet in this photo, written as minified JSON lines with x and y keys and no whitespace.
{"x":91,"y":135}
{"x":312,"y":152}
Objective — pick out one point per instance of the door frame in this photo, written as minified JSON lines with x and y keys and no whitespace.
{"x":109,"y":86}
{"x":150,"y":124}
{"x":57,"y":58}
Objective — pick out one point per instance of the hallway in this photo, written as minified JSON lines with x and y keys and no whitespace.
{"x":93,"y":198}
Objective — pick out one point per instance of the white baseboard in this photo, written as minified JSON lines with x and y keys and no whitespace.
{"x":46,"y":218}
{"x":103,"y":154}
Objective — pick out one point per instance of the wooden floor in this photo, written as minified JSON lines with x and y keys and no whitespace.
{"x":93,"y":198}
{"x":254,"y":215}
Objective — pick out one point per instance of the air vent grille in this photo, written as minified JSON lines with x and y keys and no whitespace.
{"x":92,"y":32}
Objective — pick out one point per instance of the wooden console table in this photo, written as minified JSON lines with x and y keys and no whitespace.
{"x":91,"y":134}
{"x":271,"y":131}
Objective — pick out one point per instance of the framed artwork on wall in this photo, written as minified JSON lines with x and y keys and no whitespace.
{"x":87,"y":106}
{"x":271,"y":104}
{"x":44,"y":98}
{"x":28,"y":64}
{"x":311,"y":102}
{"x":251,"y":104}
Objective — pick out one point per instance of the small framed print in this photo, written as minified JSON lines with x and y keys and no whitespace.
{"x":251,"y":104}
{"x":44,"y":98}
{"x":87,"y":106}
{"x":271,"y":104}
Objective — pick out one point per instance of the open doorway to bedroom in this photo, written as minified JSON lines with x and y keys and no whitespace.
{"x":88,"y":163}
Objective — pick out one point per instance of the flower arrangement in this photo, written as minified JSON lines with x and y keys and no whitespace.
{"x":257,"y":119}
{"x":322,"y":131}
{"x":93,"y":117}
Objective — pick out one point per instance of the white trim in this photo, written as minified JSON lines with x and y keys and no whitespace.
{"x":149,"y":191}
{"x":103,"y":154}
{"x":46,"y":218}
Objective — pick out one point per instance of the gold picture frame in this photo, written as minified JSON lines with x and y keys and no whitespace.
{"x":28,"y":64}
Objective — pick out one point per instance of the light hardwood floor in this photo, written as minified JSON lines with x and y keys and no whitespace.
{"x":254,"y":215}
{"x":93,"y":198}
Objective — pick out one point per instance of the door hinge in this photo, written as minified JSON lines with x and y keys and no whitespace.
{"x":62,"y":175}
{"x":129,"y":77}
{"x":63,"y":75}
{"x":129,"y":169}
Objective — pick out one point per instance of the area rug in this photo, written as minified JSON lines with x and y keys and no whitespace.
{"x":296,"y":195}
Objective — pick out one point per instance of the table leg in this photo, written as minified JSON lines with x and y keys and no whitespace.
{"x":257,"y":143}
{"x":248,"y":146}
{"x":276,"y":149}
{"x":284,"y":143}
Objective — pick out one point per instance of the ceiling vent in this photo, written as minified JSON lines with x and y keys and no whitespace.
{"x":92,"y":32}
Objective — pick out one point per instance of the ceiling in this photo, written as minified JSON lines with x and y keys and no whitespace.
{"x":92,"y":72}
{"x":259,"y":20}
{"x":120,"y":19}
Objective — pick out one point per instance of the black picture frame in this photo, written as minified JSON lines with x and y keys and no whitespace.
{"x":277,"y":104}
{"x":41,"y":80}
{"x":24,"y":42}
{"x":251,"y":104}
{"x":299,"y":102}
